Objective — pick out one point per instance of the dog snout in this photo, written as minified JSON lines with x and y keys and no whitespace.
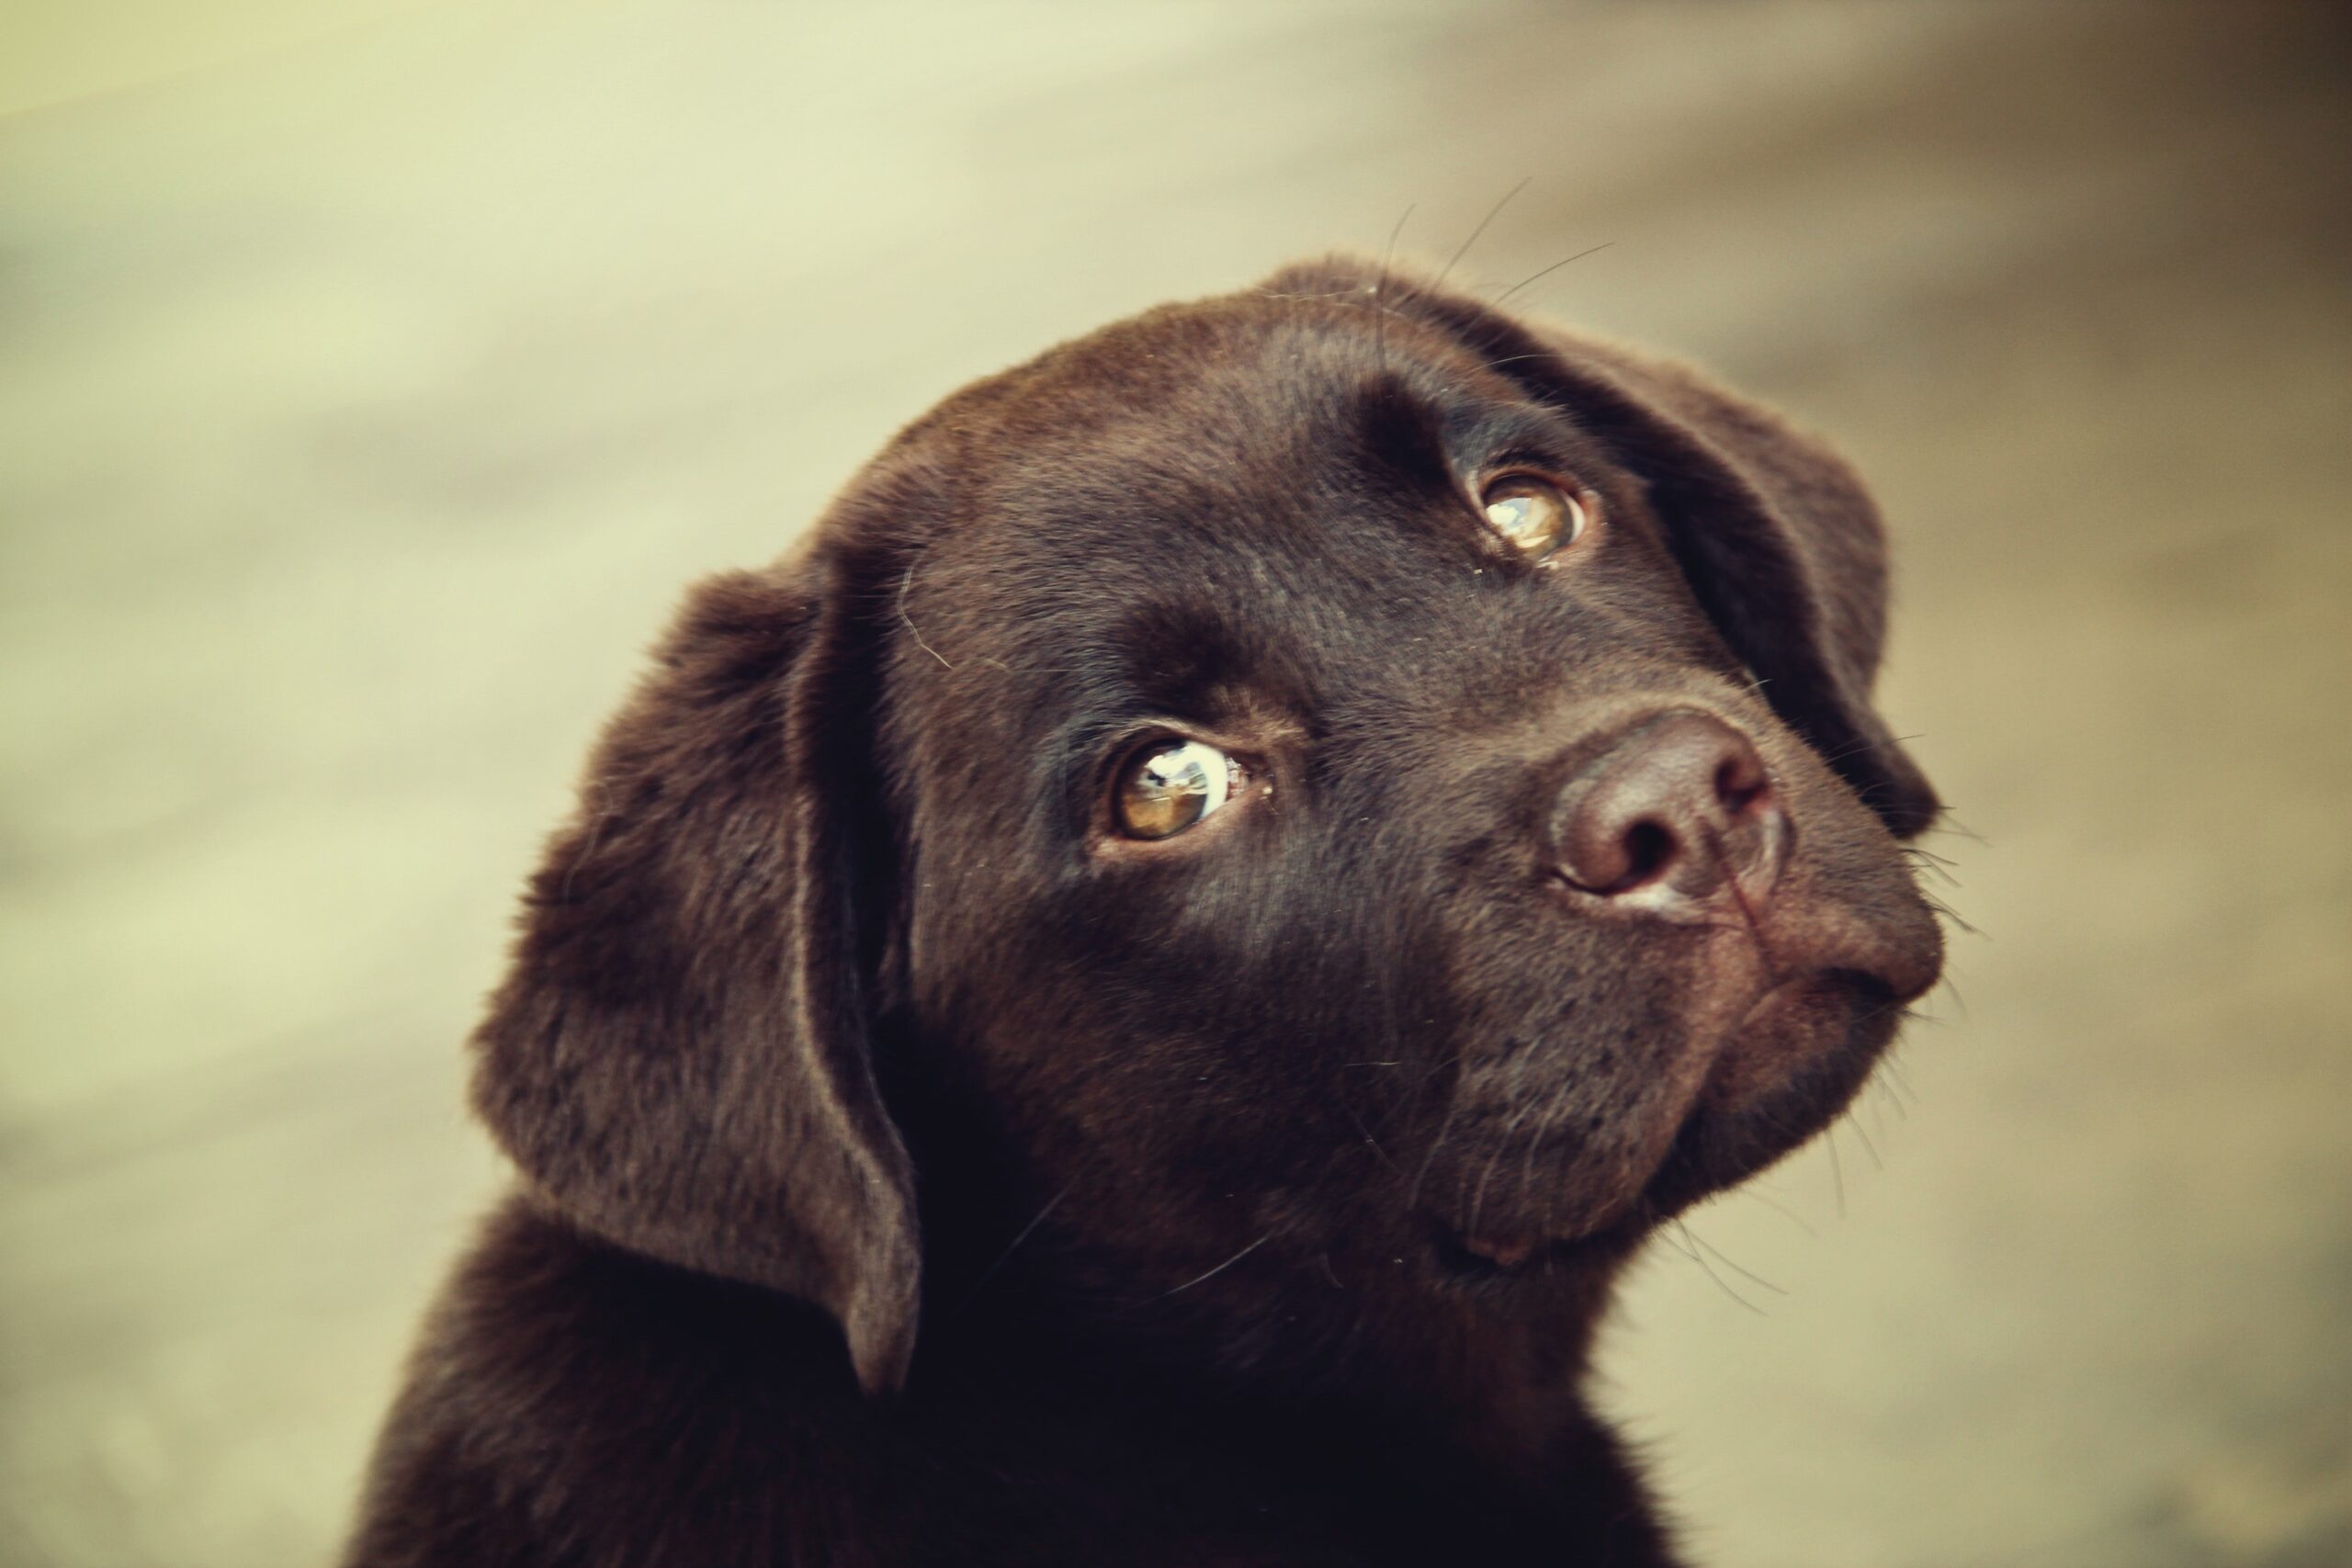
{"x":1677,"y":813}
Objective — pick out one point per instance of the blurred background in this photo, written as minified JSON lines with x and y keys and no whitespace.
{"x":372,"y":375}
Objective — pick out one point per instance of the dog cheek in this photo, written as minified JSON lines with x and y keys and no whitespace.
{"x":1118,"y":1077}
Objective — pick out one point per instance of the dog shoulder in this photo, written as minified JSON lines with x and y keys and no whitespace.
{"x":573,"y":1403}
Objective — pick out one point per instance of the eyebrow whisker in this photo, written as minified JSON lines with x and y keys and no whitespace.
{"x":1548,"y":271}
{"x":1492,"y":213}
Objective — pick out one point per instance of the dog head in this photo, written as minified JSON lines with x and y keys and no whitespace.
{"x":1333,"y":775}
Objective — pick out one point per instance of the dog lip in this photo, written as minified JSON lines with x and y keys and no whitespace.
{"x":1776,"y":992}
{"x":1818,"y":941}
{"x":1504,"y":1252}
{"x":1508,"y":1255}
{"x":1737,"y":1128}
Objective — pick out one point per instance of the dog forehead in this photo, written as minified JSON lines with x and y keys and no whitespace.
{"x":1232,"y":438}
{"x":1253,"y":492}
{"x":1129,"y":568}
{"x":1217,"y":396}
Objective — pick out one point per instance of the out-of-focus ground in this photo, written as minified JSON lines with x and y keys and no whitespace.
{"x":365,"y":399}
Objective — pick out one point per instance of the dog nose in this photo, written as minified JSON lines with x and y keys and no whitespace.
{"x":1680,"y":803}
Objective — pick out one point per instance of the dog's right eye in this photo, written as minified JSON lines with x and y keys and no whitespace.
{"x":1171,"y":786}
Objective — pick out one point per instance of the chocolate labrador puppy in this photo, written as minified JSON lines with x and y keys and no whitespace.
{"x":1125,"y":1001}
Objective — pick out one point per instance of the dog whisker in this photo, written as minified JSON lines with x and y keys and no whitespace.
{"x":1948,"y":914}
{"x":1694,"y":1254}
{"x":1749,"y":1190}
{"x":1220,"y":1268}
{"x":1379,"y":306}
{"x":1502,"y":1146}
{"x":1537,"y":277}
{"x":1452,"y":1108}
{"x":1863,"y":1134}
{"x":595,"y":831}
{"x":1899,"y":1076}
{"x":1486,"y":1173}
{"x":905,"y":585}
{"x":1727,"y":1260}
{"x":1950,"y":986}
{"x":1836,"y":1167}
{"x":1947,"y":823}
{"x":1543,"y":1126}
{"x":1886,"y":1091}
{"x":1372,"y":1141}
{"x":1492,"y":212}
{"x":1013,"y":1245}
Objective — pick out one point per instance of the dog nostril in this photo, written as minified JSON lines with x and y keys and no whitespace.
{"x":1649,"y":849}
{"x":1682,"y":801}
{"x":1740,"y":783}
{"x":1611,"y":845}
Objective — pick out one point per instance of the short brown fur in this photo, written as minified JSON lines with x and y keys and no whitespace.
{"x":914,"y":1173}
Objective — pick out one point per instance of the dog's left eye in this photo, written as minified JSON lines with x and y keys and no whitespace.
{"x":1171,"y":786}
{"x":1533,"y":514}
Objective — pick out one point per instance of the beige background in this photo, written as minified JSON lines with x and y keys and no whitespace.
{"x":372,"y":374}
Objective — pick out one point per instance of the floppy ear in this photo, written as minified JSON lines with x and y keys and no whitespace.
{"x":678,"y":1058}
{"x":1780,"y":543}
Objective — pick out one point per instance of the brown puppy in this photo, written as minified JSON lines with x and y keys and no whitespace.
{"x":1244,"y":866}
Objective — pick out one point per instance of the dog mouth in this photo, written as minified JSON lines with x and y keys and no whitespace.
{"x":1797,"y":1057}
{"x":1800,"y":1057}
{"x":1498,"y":1260}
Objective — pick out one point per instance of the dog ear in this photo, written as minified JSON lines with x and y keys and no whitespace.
{"x":678,"y":1058}
{"x":1778,"y":541}
{"x":1783,"y":547}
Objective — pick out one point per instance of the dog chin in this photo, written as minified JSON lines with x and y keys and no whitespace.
{"x":1791,"y":1066}
{"x":1786,"y":1070}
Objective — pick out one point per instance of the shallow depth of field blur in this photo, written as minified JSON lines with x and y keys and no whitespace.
{"x":373,"y":373}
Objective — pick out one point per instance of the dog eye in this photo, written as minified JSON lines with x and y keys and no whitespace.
{"x":1172,"y":787}
{"x":1535,"y":515}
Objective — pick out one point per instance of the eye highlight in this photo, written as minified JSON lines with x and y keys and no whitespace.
{"x":1535,"y":516}
{"x":1169,"y":787}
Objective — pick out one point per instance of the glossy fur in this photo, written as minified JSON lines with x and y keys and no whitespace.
{"x":916,"y":1172}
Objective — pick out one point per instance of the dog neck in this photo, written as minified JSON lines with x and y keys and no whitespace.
{"x":1492,"y":1380}
{"x":1019,"y":1307}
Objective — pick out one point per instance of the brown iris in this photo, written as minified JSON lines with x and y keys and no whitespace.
{"x":1169,"y":787}
{"x":1532,"y":514}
